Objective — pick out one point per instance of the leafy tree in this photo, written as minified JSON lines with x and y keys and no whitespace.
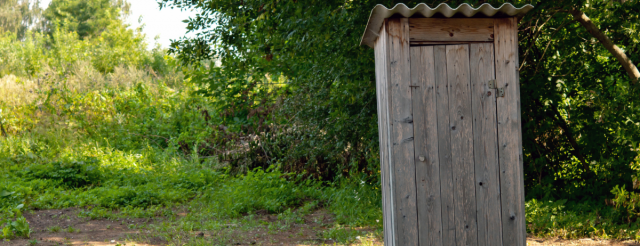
{"x":88,"y":18}
{"x":18,"y":16}
{"x":581,"y":113}
{"x":580,"y":109}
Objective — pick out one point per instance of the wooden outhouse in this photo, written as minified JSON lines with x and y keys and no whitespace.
{"x":448,"y":98}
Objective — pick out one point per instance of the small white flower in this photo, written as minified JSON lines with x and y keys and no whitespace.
{"x":137,"y":155}
{"x":378,"y":221}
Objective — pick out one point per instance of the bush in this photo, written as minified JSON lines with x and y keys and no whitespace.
{"x":74,"y":174}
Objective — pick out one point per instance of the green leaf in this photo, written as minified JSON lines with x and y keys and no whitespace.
{"x":6,"y":193}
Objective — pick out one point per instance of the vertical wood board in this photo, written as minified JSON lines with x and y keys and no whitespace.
{"x":485,"y":144}
{"x":426,"y":145}
{"x":460,"y":118}
{"x":382,"y":89}
{"x":509,"y":132}
{"x":444,"y":146}
{"x":406,"y":217}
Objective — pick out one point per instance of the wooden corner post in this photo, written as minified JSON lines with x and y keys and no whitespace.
{"x":510,"y":132}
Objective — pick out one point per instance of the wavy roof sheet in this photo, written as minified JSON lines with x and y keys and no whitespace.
{"x":380,"y":12}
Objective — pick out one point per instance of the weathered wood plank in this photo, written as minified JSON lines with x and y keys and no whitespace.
{"x":421,"y":43}
{"x":444,"y":146}
{"x":460,"y":118}
{"x":382,"y":89}
{"x":426,"y":145}
{"x":451,"y":29}
{"x":509,"y":133}
{"x":404,"y":172}
{"x":485,"y":145}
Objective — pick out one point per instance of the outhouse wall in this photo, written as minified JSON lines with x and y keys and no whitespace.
{"x":411,"y":132}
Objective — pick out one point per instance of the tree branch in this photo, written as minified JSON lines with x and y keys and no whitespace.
{"x":537,"y":30}
{"x":572,"y":140}
{"x":627,"y":64}
{"x":4,"y":133}
{"x":549,"y":43}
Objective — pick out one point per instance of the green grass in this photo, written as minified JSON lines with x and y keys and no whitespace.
{"x":54,"y":229}
{"x":70,"y":229}
{"x":573,"y":220}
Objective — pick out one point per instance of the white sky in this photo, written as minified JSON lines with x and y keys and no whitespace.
{"x":166,"y":23}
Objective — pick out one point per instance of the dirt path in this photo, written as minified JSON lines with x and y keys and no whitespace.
{"x":584,"y":241}
{"x":65,"y":227}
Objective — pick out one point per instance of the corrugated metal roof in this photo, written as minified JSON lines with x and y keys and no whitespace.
{"x":380,"y":12}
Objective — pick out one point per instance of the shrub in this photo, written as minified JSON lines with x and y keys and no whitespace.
{"x":73,"y":174}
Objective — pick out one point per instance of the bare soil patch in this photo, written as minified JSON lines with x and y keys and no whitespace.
{"x":584,"y":241}
{"x":52,"y":227}
{"x":307,"y":233}
{"x":65,"y":227}
{"x":270,"y":231}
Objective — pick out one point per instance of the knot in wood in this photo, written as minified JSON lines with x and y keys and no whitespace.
{"x":407,"y":120}
{"x":406,"y":140}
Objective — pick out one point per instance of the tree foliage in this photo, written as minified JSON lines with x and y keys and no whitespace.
{"x":88,"y":18}
{"x":18,"y":16}
{"x":580,"y":111}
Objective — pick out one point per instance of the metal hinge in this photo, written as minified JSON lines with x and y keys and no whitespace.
{"x":492,"y":84}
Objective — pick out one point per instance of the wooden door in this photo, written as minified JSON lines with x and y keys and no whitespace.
{"x":455,"y":145}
